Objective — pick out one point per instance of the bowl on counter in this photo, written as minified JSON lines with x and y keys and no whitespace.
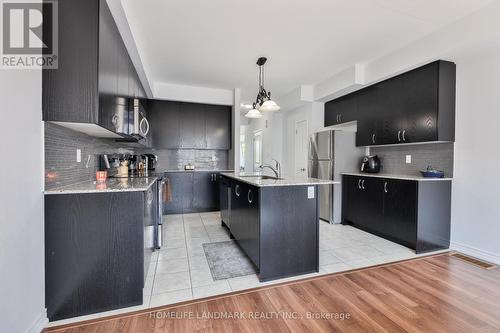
{"x":431,"y":173}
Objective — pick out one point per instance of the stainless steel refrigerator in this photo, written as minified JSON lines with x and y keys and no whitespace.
{"x":331,"y":153}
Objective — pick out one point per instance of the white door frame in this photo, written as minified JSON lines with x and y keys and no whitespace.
{"x":296,"y":167}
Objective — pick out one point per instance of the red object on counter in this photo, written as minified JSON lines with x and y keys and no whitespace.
{"x":101,"y":176}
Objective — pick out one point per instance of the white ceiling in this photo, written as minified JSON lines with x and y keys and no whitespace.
{"x":215,"y":43}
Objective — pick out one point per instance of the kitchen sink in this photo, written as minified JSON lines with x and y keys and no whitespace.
{"x":263,"y":177}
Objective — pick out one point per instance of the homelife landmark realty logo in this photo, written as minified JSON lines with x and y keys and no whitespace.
{"x":29,"y":34}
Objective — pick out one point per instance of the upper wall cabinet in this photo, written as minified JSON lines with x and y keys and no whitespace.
{"x":341,"y":110}
{"x":96,"y":78}
{"x":179,"y":125}
{"x":417,"y":106}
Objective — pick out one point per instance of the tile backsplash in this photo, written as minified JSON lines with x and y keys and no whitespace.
{"x":393,"y":158}
{"x":61,"y":167}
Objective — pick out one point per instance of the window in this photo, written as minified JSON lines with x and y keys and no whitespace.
{"x":257,"y":149}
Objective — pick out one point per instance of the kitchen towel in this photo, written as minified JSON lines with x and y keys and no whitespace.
{"x":167,"y":192}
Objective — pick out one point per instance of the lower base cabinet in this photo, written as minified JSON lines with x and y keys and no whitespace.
{"x":192,"y":192}
{"x":415,"y":214}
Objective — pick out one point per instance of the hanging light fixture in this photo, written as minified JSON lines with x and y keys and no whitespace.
{"x":253,"y":113}
{"x":263,"y":102}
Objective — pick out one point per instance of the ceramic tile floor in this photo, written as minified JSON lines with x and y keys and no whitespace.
{"x":180,"y":272}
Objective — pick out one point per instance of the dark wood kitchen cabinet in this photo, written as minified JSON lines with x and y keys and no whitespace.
{"x":206,"y":191}
{"x":400,"y":211}
{"x":245,"y":219}
{"x":218,"y":126}
{"x":416,"y":106}
{"x":192,"y":191}
{"x":95,"y":77}
{"x":365,"y":207}
{"x":166,"y":117}
{"x":181,"y":187}
{"x":415,"y":214}
{"x":341,"y":110}
{"x":190,"y":125}
{"x":96,"y":248}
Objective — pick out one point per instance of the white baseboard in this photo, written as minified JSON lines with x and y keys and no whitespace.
{"x":40,"y":323}
{"x":474,"y":252}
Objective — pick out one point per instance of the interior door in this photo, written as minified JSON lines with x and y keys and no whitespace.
{"x":301,"y":148}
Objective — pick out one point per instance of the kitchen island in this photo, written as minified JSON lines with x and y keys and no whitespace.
{"x":275,"y":221}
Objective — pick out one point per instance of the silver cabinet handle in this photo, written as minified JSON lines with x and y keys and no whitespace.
{"x":248,"y":196}
{"x":385,"y":187}
{"x":359,"y":184}
{"x":399,"y":136}
{"x":373,"y":137}
{"x":340,"y":118}
{"x":237,"y":190}
{"x":404,"y":131}
{"x":363,"y":184}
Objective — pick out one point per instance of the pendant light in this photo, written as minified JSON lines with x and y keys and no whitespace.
{"x":253,"y":113}
{"x":263,"y":102}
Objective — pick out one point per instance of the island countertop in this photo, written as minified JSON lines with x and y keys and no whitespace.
{"x":110,"y":185}
{"x":256,"y":180}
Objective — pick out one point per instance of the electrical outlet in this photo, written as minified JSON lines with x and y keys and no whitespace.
{"x":408,"y":159}
{"x":78,"y":155}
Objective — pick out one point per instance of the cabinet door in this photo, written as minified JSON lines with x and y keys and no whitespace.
{"x":192,"y":123}
{"x":370,"y":128}
{"x":165,"y":119}
{"x":206,"y":194}
{"x":237,"y":226}
{"x":391,"y":97}
{"x":371,"y":205}
{"x":400,"y":211}
{"x":341,"y":110}
{"x":350,"y":198}
{"x":181,"y":185}
{"x":250,"y":241}
{"x":218,"y":126}
{"x":108,"y":71}
{"x":419,"y":121}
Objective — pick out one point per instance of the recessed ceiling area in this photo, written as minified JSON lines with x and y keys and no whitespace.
{"x":216,"y":43}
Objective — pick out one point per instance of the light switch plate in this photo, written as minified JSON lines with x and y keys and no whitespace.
{"x":408,"y":159}
{"x":78,"y":155}
{"x":310,"y":192}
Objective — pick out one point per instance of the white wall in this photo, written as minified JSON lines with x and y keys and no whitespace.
{"x":22,"y":300}
{"x":476,"y":188}
{"x":184,"y":93}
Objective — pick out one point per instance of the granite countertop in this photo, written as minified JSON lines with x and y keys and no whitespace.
{"x":197,"y":170}
{"x":253,"y":179}
{"x":111,"y":185}
{"x":393,"y":176}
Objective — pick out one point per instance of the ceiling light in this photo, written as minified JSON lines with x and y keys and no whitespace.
{"x":269,"y":106}
{"x":263,"y":100}
{"x":253,"y":113}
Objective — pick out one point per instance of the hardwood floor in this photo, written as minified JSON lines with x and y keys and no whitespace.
{"x":431,"y":294}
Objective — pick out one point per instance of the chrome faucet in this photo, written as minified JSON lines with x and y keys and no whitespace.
{"x":276,"y":169}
